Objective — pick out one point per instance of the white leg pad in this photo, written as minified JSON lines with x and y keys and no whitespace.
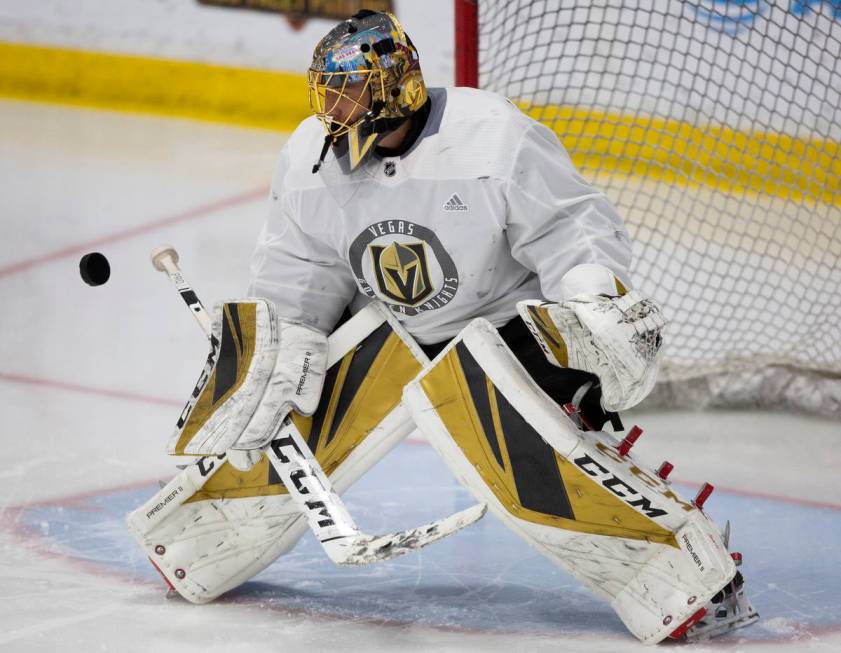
{"x":606,"y":519}
{"x":215,"y":526}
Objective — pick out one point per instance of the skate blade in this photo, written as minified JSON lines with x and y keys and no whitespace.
{"x":713,"y":626}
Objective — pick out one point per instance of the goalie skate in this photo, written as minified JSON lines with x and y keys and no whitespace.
{"x":728,"y":610}
{"x":723,"y":615}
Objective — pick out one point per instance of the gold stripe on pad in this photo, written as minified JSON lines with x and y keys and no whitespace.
{"x":205,"y":406}
{"x":231,"y":483}
{"x":596,"y":510}
{"x":332,"y":404}
{"x":379,"y":392}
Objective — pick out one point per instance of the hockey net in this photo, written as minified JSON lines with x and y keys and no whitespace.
{"x":714,"y":127}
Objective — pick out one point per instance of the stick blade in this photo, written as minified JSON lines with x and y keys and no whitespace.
{"x":365,"y":549}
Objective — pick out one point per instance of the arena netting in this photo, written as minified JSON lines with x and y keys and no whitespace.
{"x":714,"y":127}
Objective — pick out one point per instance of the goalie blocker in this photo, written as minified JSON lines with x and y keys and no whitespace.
{"x":573,"y":495}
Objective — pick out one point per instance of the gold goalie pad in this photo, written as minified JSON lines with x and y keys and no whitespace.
{"x":604,"y":517}
{"x":215,"y":526}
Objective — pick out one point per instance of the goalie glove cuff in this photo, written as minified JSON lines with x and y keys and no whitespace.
{"x":590,"y":280}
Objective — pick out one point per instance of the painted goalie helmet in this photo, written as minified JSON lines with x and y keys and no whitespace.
{"x":364,"y":82}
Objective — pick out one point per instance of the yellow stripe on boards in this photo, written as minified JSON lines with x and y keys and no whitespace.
{"x":717,"y":157}
{"x":251,"y":97}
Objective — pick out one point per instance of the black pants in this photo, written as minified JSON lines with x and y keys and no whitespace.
{"x":558,"y":382}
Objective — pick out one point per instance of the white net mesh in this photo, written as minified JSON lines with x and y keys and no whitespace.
{"x":714,"y":127}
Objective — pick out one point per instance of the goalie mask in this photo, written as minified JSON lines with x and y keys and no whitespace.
{"x":364,"y":82}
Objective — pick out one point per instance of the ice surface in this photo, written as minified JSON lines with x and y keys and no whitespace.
{"x":92,"y":379}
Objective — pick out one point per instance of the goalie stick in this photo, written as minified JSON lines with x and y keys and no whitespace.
{"x":301,"y":473}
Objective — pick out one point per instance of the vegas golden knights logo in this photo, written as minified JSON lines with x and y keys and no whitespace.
{"x":402,"y":272}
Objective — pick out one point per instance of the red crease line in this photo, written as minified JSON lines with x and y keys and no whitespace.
{"x":74,"y":387}
{"x":196,"y":212}
{"x":754,"y":494}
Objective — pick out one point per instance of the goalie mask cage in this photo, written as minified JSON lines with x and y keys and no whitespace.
{"x":713,"y":126}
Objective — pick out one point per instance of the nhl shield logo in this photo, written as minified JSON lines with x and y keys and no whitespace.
{"x":402,"y":272}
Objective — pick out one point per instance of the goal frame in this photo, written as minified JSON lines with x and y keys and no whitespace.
{"x":741,"y":378}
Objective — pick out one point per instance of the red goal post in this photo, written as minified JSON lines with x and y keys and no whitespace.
{"x":715,"y":129}
{"x":467,"y":43}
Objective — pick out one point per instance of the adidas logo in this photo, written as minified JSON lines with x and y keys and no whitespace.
{"x":455,"y":204}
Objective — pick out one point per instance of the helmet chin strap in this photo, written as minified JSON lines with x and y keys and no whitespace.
{"x":328,"y":139}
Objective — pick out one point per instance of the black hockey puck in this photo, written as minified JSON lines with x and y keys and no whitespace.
{"x":94,"y":269}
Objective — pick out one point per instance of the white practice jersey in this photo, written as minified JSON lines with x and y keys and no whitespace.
{"x":484,"y":210}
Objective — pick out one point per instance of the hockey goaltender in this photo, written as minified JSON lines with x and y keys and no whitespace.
{"x":433,"y":261}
